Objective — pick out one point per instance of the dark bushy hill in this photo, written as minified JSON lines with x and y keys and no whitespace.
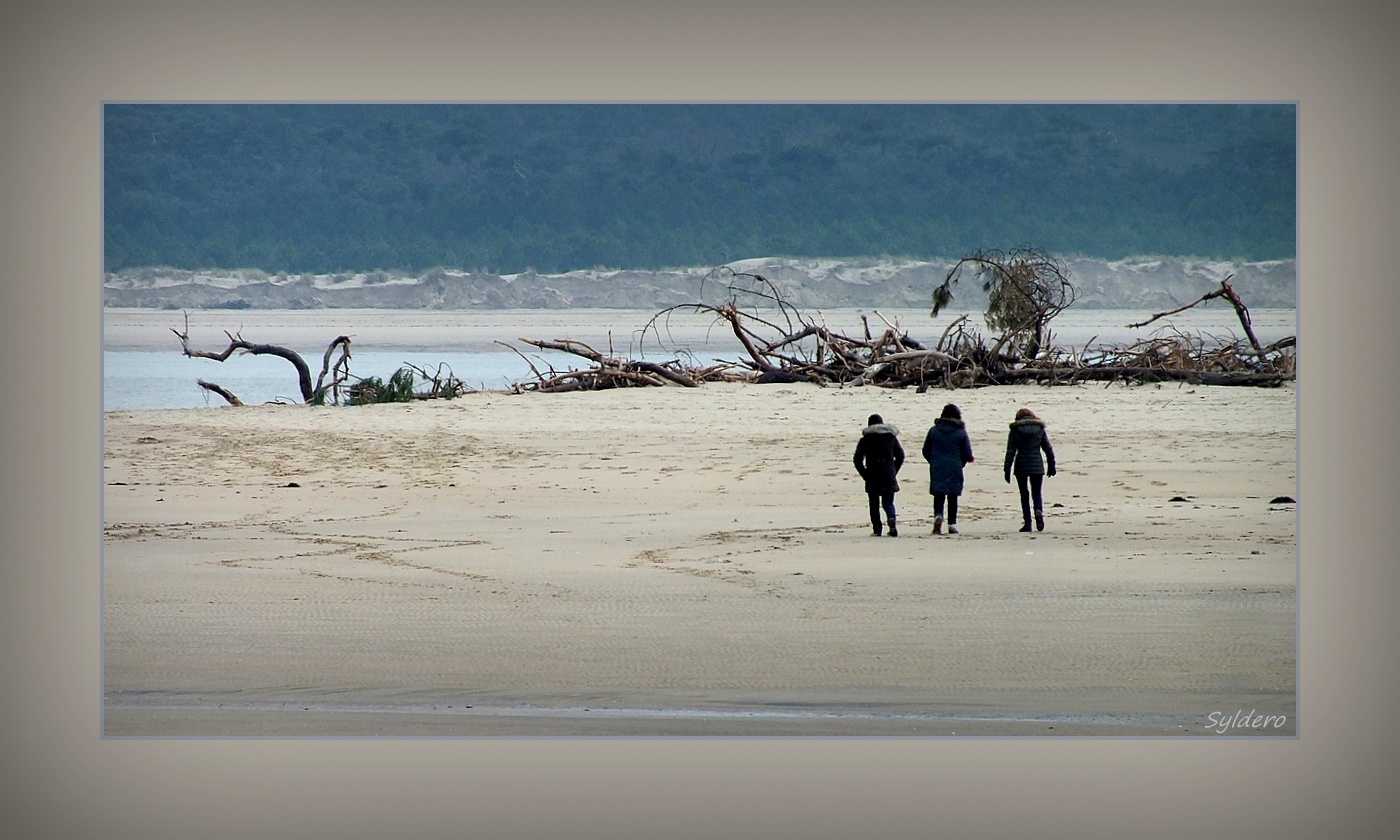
{"x":505,"y":188}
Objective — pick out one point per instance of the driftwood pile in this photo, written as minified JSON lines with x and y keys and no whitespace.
{"x":609,"y":371}
{"x":783,"y":344}
{"x":1192,"y":357}
{"x":779,"y":343}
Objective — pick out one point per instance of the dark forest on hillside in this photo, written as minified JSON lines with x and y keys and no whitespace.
{"x":557,"y":187}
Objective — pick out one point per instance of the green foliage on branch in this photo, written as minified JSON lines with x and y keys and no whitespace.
{"x":1026,"y":288}
{"x":372,"y":389}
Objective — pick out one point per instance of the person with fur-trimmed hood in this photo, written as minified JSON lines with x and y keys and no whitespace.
{"x":878,"y":459}
{"x":947,"y":449}
{"x":1024,"y":443}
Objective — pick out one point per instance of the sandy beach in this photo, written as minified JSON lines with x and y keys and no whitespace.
{"x":669,"y":561}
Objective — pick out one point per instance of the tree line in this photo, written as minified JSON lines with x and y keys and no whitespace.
{"x":324,"y":188}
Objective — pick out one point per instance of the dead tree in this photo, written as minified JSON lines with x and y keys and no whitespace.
{"x":779,"y":343}
{"x":339,"y":370}
{"x":608,"y":371}
{"x":1228,"y":292}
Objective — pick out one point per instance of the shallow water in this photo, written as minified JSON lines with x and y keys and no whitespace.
{"x":143,"y":368}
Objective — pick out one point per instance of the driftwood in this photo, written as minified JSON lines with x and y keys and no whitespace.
{"x":334,"y":380}
{"x":228,"y":396}
{"x":1228,"y":292}
{"x":783,"y":344}
{"x":608,"y":371}
{"x":337,"y":370}
{"x":441,"y":383}
{"x":779,"y":344}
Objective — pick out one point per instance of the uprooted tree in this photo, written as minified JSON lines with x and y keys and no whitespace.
{"x":780,"y":343}
{"x":1026,"y":290}
{"x":334,"y":379}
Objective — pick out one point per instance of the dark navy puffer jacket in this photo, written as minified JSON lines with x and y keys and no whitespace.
{"x":947,"y":448}
{"x":1023,"y":447}
{"x":878,"y":458}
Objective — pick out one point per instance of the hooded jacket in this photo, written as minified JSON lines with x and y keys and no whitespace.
{"x":878,"y":458}
{"x":947,"y":448}
{"x":1024,"y":444}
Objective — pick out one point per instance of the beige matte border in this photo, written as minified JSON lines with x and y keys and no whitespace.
{"x":59,"y":60}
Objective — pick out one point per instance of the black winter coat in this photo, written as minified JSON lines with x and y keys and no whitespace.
{"x":878,"y":458}
{"x":947,"y":448}
{"x":1023,"y":447}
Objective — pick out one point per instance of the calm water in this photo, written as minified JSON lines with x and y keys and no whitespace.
{"x":150,"y":373}
{"x":146,"y":379}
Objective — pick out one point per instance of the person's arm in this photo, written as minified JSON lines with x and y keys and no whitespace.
{"x":1010,"y":456}
{"x":859,"y":458}
{"x":967,"y":449}
{"x":1049,"y":453}
{"x":898,"y":455}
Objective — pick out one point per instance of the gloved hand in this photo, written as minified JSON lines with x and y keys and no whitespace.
{"x":1050,"y":471}
{"x":1008,"y":476}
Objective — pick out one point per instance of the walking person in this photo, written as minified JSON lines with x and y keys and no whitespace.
{"x":947,"y":449}
{"x":878,"y":459}
{"x":1026,"y":440}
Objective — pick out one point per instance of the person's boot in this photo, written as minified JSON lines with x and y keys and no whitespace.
{"x":952,"y":527}
{"x":938,"y":524}
{"x":1039,"y":521}
{"x":1026,"y":526}
{"x":879,"y":529}
{"x":894,"y":528}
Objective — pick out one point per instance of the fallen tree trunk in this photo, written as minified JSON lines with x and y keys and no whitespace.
{"x":236,"y":342}
{"x":223,"y":392}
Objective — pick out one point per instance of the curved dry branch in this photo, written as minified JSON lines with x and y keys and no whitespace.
{"x":339,"y":372}
{"x":237,"y":342}
{"x":221,"y":391}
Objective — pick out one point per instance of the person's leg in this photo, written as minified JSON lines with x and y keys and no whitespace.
{"x":1037,"y":503}
{"x":938,"y":513}
{"x":888,"y":501}
{"x":875,"y":513}
{"x":1025,"y":502}
{"x":952,"y":513}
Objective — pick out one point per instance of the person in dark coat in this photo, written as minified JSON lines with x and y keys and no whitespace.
{"x":878,"y":459}
{"x":1026,"y":440}
{"x":947,"y":449}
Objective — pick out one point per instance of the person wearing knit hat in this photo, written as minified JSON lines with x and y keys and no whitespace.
{"x":878,"y":459}
{"x":1026,"y":440}
{"x":947,"y":449}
